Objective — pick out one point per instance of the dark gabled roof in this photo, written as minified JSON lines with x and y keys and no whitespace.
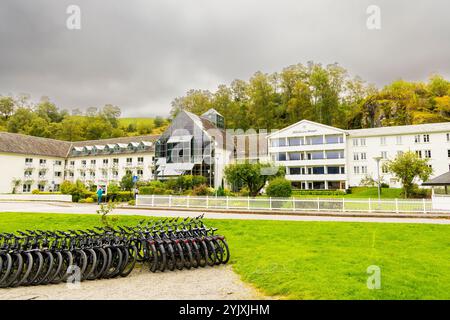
{"x":24,"y":144}
{"x":442,"y":180}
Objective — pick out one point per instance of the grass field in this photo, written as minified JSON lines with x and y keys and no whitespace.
{"x":314,"y":260}
{"x":361,"y":193}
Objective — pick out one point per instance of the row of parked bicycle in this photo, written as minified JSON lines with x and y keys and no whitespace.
{"x":35,"y":257}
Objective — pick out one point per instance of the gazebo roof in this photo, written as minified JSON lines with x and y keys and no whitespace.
{"x":442,"y":180}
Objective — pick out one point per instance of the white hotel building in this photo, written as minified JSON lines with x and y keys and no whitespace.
{"x":318,"y":156}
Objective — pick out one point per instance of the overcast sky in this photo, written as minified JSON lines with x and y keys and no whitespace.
{"x":140,"y":55}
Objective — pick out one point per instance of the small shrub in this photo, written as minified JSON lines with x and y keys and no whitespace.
{"x":384,"y":185}
{"x":81,"y":200}
{"x":244,"y":192}
{"x":420,"y":193}
{"x":89,"y":200}
{"x":279,"y":187}
{"x":202,"y":190}
{"x":132,"y":203}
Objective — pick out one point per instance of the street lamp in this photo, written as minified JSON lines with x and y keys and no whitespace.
{"x":377,"y":159}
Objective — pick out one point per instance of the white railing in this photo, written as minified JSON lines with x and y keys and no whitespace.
{"x":289,"y":204}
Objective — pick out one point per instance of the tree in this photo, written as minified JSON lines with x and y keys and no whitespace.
{"x":252,"y":175}
{"x":6,"y":107}
{"x":126,"y":183}
{"x":407,"y":167}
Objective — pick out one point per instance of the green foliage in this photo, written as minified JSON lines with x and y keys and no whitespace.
{"x":279,"y":187}
{"x":89,"y":200}
{"x":252,"y":175}
{"x":153,"y":187}
{"x":132,"y":202}
{"x":126,"y":183}
{"x":113,"y":187}
{"x":202,"y":190}
{"x":407,"y":167}
{"x":319,"y":192}
{"x":77,"y":190}
{"x":35,"y":191}
{"x":104,"y":211}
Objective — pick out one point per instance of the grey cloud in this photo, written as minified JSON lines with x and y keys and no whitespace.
{"x":142,"y":54}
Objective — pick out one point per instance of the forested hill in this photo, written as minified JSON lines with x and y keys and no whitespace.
{"x":45,"y":119}
{"x":325,"y":94}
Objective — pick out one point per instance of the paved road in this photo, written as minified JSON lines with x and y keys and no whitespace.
{"x":91,"y":208}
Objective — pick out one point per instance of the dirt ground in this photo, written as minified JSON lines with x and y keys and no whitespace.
{"x":219,"y":283}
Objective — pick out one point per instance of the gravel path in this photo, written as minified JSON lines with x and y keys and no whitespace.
{"x":218,"y":283}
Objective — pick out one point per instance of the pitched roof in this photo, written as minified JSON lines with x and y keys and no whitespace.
{"x":24,"y":144}
{"x":406,"y":129}
{"x":442,"y":180}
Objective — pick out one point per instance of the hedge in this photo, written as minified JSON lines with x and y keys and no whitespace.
{"x":319,"y":192}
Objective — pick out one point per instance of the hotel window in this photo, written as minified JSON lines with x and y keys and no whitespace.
{"x":27,"y":174}
{"x":294,"y":156}
{"x":93,"y":161}
{"x":417,"y":138}
{"x":83,"y":163}
{"x":342,"y":170}
{"x":363,"y":141}
{"x":58,"y":162}
{"x":356,"y":156}
{"x":398,"y":139}
{"x":294,"y":170}
{"x":384,"y":154}
{"x":318,"y":170}
{"x":419,"y":153}
{"x":316,"y":155}
{"x":314,"y":140}
{"x":57,"y":173}
{"x":281,"y":142}
{"x":28,"y":160}
{"x":383,"y":140}
{"x":105,"y":161}
{"x":295,"y":141}
{"x":140,"y":160}
{"x":448,"y":137}
{"x":281,"y":156}
{"x":335,"y":154}
{"x":309,"y":170}
{"x":140,"y":172}
{"x":115,"y":174}
{"x":364,"y":169}
{"x":42,"y":161}
{"x":427,"y":153}
{"x":355,"y":142}
{"x":129,"y":160}
{"x":92,"y":174}
{"x":128,"y":172}
{"x":356,"y":170}
{"x":363,"y":156}
{"x":426,"y":138}
{"x":334,"y":139}
{"x":26,"y":188}
{"x":384,"y":169}
{"x":70,"y":174}
{"x":83,"y":174}
{"x":72,"y":163}
{"x":448,"y":153}
{"x":41,"y":187}
{"x":333,"y":170}
{"x":115,"y":161}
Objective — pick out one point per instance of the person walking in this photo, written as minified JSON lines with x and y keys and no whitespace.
{"x":99,"y":195}
{"x":136,"y":192}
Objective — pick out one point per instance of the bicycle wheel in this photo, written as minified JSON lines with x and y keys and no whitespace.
{"x":179,"y":256}
{"x":26,"y":269}
{"x":226,"y":251}
{"x":57,"y":265}
{"x":116,"y":262}
{"x":123,"y":250}
{"x":80,"y":260}
{"x":211,"y":259}
{"x":16,"y":269}
{"x":152,"y":257}
{"x":131,"y":262}
{"x":203,"y":253}
{"x":102,"y":264}
{"x":170,"y":257}
{"x":47,"y":266}
{"x":66,"y":262}
{"x":187,"y":252}
{"x":6,"y":266}
{"x":162,"y":259}
{"x":91,"y":263}
{"x":195,"y":254}
{"x":219,"y":251}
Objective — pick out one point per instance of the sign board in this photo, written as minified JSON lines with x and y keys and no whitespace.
{"x":135,"y":179}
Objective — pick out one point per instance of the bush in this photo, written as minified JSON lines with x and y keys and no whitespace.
{"x":279,"y":187}
{"x":132,"y":203}
{"x":66,"y":186}
{"x":35,"y":191}
{"x":81,"y":200}
{"x":89,"y":200}
{"x":153,"y":187}
{"x":419,"y":193}
{"x":244,"y":192}
{"x":202,"y":190}
{"x":384,"y":185}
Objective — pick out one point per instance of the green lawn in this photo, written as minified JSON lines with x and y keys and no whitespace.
{"x":314,"y":260}
{"x":360,"y":193}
